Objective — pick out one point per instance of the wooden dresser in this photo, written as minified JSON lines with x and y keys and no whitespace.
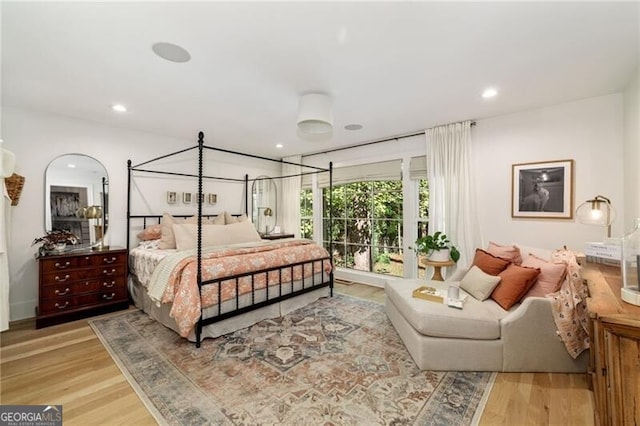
{"x":614,"y":366}
{"x":81,"y":284}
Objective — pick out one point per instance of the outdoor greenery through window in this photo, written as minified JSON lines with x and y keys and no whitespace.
{"x":367,"y":226}
{"x":423,"y":216}
{"x":306,"y":213}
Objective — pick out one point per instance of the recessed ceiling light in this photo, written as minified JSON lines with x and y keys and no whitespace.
{"x":353,"y":126}
{"x":119,"y":108}
{"x":489,"y":93}
{"x":71,"y":166}
{"x":279,"y":145}
{"x":171,"y":52}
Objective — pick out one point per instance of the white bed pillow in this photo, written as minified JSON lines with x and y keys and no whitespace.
{"x":478,"y":283}
{"x":214,"y":235}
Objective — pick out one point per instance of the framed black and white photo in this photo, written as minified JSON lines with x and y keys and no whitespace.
{"x":213,"y":198}
{"x":172,"y":197}
{"x":542,"y":190}
{"x":187,"y":198}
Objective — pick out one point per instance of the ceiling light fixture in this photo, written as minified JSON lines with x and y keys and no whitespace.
{"x":279,"y":145}
{"x":353,"y":126}
{"x":489,"y":93}
{"x":171,"y":52}
{"x":119,"y":108}
{"x":315,"y":118}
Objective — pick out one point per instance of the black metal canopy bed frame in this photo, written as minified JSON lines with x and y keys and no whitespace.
{"x":284,"y":290}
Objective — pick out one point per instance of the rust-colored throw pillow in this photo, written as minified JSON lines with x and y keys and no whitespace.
{"x":488,"y":263}
{"x":515,"y":282}
{"x":511,"y":253}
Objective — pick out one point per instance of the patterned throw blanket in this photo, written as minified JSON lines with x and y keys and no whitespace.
{"x":180,"y":287}
{"x":569,"y":306}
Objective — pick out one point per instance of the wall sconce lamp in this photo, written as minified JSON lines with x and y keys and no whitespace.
{"x":597,"y":211}
{"x":315,"y":118}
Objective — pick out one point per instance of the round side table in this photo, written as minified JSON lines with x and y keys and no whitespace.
{"x":437,"y":266}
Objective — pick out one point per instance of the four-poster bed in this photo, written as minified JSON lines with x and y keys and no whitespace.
{"x":221,"y":276}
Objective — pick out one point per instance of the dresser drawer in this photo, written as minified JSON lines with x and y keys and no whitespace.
{"x":109,"y":259}
{"x":102,"y":272}
{"x":61,"y":264}
{"x":69,"y":303}
{"x":76,"y":288}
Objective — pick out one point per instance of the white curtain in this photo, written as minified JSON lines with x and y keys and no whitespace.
{"x":7,"y":165}
{"x":290,"y":211}
{"x":452,"y":206}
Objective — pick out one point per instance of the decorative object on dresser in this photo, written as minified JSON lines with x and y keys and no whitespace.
{"x":631,"y":265}
{"x":615,"y":348}
{"x":76,"y":285}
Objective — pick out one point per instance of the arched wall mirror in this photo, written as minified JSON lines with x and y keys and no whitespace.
{"x":77,"y":197}
{"x":264,"y":211}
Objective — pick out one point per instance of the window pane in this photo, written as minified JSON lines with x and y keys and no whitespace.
{"x":338,"y":253}
{"x":358,"y":257}
{"x":358,"y":196}
{"x":338,"y":232}
{"x":388,"y":261}
{"x":423,"y":229}
{"x":387,"y":232}
{"x":358,"y":231}
{"x":339,"y":202}
{"x":306,"y":203}
{"x":423,"y":198}
{"x":306,"y":228}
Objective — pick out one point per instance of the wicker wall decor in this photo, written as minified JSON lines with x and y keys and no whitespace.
{"x":14,"y":185}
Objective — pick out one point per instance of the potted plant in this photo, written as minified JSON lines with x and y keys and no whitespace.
{"x":55,"y":241}
{"x":436,"y":248}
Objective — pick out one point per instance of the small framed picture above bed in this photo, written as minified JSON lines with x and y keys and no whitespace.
{"x":187,"y":198}
{"x":542,"y":190}
{"x":172,"y":197}
{"x":213,"y":198}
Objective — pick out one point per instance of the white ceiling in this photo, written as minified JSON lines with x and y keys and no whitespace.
{"x":395,"y":67}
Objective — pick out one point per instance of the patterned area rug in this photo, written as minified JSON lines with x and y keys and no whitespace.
{"x":338,"y":361}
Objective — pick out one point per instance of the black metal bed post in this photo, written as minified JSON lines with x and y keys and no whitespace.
{"x":246,"y":195}
{"x":199,"y":253}
{"x":128,"y":201}
{"x":331,"y":226}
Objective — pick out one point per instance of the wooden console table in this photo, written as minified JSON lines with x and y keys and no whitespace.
{"x":615,"y":348}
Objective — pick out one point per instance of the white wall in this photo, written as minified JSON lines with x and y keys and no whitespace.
{"x":38,"y":138}
{"x":632,"y":151}
{"x":588,"y":131}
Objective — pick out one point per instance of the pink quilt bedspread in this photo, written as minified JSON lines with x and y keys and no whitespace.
{"x":182,"y":289}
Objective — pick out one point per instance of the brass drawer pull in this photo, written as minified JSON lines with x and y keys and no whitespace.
{"x":107,"y":285}
{"x":61,"y":280}
{"x":66,"y":291}
{"x":112,"y":260}
{"x":61,"y":266}
{"x":62,"y":306}
{"x":105,"y":297}
{"x":113,"y":271}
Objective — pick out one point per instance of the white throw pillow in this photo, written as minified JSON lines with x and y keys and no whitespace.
{"x":478,"y":283}
{"x":214,"y":235}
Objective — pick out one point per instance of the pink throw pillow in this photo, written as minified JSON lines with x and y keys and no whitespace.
{"x":511,"y":253}
{"x":550,"y":279}
{"x":153,"y":232}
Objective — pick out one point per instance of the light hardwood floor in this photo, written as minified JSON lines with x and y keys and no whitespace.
{"x":67,"y":364}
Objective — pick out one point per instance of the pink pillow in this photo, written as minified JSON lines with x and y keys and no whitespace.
{"x":511,"y":253}
{"x":153,"y":232}
{"x":550,"y":279}
{"x":515,"y":282}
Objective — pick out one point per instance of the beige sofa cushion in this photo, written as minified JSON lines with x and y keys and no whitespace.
{"x":478,"y":284}
{"x":477,"y":320}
